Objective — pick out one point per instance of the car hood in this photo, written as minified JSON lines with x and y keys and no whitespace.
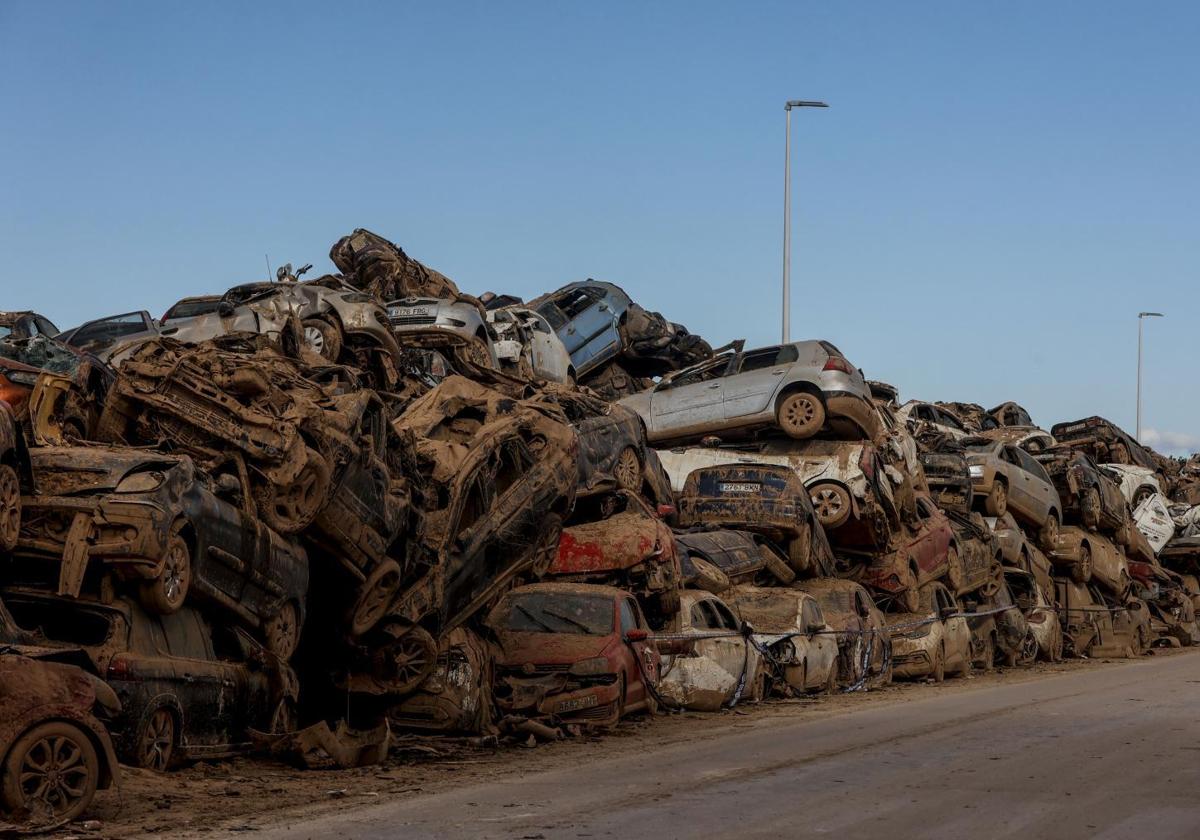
{"x":638,"y":403}
{"x":619,"y":542}
{"x":70,"y":470}
{"x":520,"y":648}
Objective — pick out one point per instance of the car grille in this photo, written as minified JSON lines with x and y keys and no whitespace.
{"x":536,"y":670}
{"x":595,"y":713}
{"x":413,"y":320}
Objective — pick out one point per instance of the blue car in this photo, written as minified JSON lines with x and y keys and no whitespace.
{"x":586,"y":316}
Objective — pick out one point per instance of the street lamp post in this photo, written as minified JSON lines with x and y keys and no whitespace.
{"x":1141,"y":316}
{"x":787,"y":213}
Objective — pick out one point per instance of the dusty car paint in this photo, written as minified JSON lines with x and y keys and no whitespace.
{"x":1006,"y":477}
{"x":1039,"y":611}
{"x":1096,"y":626}
{"x":863,"y":637}
{"x":791,"y":625}
{"x":933,"y":640}
{"x":526,"y":342}
{"x":722,"y":666}
{"x":1090,"y":556}
{"x":1105,"y":442}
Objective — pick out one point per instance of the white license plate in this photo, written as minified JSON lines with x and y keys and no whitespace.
{"x":577,"y":703}
{"x":739,"y":487}
{"x":409,"y":311}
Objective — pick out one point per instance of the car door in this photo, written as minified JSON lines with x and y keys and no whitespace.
{"x":751,"y":384}
{"x":548,"y":359}
{"x":957,"y":631}
{"x":690,"y":401}
{"x":209,"y":694}
{"x":590,"y":328}
{"x":822,"y":647}
{"x":727,"y":651}
{"x":1042,"y":495}
{"x":646,"y":667}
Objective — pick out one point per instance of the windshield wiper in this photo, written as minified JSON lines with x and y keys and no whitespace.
{"x":534,"y":618}
{"x":570,"y":620}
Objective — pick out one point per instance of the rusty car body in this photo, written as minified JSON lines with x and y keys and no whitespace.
{"x":790,"y":624}
{"x":932,"y":640}
{"x":923,"y":418}
{"x":1103,"y":441}
{"x":55,"y":751}
{"x":766,"y":498}
{"x":457,"y":696}
{"x":1090,"y":497}
{"x":715,"y":558}
{"x":1089,"y":556}
{"x":1007,"y":477}
{"x":573,"y":653}
{"x":1095,"y":626}
{"x":155,"y":521}
{"x":25,"y":324}
{"x":79,"y":380}
{"x":801,"y":389}
{"x":721,"y":667}
{"x":864,"y":643}
{"x":978,"y":553}
{"x":14,"y":466}
{"x":1039,"y":610}
{"x":188,"y":688}
{"x":917,"y":553}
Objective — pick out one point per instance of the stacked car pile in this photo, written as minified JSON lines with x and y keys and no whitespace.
{"x":299,"y":514}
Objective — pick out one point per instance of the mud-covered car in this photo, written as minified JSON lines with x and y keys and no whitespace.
{"x":457,"y":696}
{"x":526,"y":344}
{"x":979,"y":555}
{"x":55,"y":751}
{"x":172,"y":532}
{"x":713,"y":559}
{"x":999,"y":630}
{"x":801,"y":389}
{"x":492,"y":478}
{"x":790,"y":624}
{"x":1103,"y":441}
{"x":612,"y":443}
{"x":25,"y":324}
{"x":917,"y":553}
{"x":1006,"y":477}
{"x":923,"y":418}
{"x":1095,"y":626}
{"x":1090,"y":497}
{"x":766,"y":498}
{"x":864,"y":644}
{"x":932,"y":640}
{"x":573,"y":653}
{"x":949,"y":479}
{"x":1166,"y":595}
{"x":74,"y":383}
{"x":1137,"y":483}
{"x":1088,"y":556}
{"x":458,"y":325}
{"x":13,"y":465}
{"x":721,"y":666}
{"x":622,"y":541}
{"x":188,"y":688}
{"x":847,"y":481}
{"x":1017,"y":552}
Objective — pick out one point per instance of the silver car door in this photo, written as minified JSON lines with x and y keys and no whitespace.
{"x":691,"y":402}
{"x":730,"y":651}
{"x":759,"y":373}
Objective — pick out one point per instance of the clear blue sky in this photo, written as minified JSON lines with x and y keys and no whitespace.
{"x":995,"y":192}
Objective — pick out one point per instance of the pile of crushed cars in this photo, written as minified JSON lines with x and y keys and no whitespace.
{"x":302,"y":515}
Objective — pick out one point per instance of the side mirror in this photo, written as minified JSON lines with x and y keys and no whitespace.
{"x":948,"y":612}
{"x":747,"y":628}
{"x":228,"y":485}
{"x":637,"y":634}
{"x":224,"y":309}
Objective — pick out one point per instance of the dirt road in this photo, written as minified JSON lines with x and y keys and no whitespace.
{"x":1108,"y":752}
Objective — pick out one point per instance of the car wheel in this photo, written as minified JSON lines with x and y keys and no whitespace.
{"x":282,"y":631}
{"x":52,"y":772}
{"x":709,"y":577}
{"x":10,"y":508}
{"x":375,"y":596}
{"x":939,"y":664}
{"x":291,"y":509}
{"x":628,"y":470}
{"x":955,"y":573}
{"x":831,"y":503}
{"x":779,"y":569}
{"x":1089,"y":508}
{"x":1081,"y":569}
{"x":322,"y":337}
{"x":996,"y":503}
{"x":801,"y":415}
{"x":406,"y":661}
{"x":546,"y":551}
{"x":155,"y":743}
{"x":1048,"y":535}
{"x":166,"y":593}
{"x":283,"y":719}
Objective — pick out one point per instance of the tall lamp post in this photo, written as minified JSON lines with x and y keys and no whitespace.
{"x":1141,"y":317}
{"x":787,"y":213}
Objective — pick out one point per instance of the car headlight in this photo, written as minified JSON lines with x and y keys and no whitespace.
{"x":975,"y":470}
{"x":590,"y":667}
{"x":140,"y":482}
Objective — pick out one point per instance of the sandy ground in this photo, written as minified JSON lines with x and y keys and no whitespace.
{"x":247,"y":795}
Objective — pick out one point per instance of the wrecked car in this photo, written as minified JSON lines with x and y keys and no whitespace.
{"x":766,"y":498}
{"x":1006,"y":477}
{"x":714,"y":558}
{"x":573,"y":653}
{"x":999,"y":629}
{"x":188,"y":688}
{"x":25,"y":324}
{"x":173,"y":533}
{"x":949,"y":479}
{"x":612,"y":445}
{"x":1090,"y":556}
{"x":1136,"y":482}
{"x":978,"y":553}
{"x":457,"y":696}
{"x":1017,"y":551}
{"x":526,"y":344}
{"x":801,"y":389}
{"x":1103,"y":441}
{"x":864,"y":643}
{"x":1039,"y":611}
{"x":13,"y":464}
{"x":621,"y":540}
{"x":55,"y":751}
{"x":383,"y":270}
{"x":721,"y":668}
{"x":932,"y":640}
{"x":456,"y":324}
{"x":1089,"y":496}
{"x":790,"y":624}
{"x":923,"y":418}
{"x":1096,"y":627}
{"x":79,"y":382}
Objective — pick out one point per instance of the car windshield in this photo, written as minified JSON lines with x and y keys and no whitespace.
{"x":61,"y":622}
{"x":836,"y":601}
{"x":560,"y":612}
{"x":192,"y":308}
{"x":5,"y":331}
{"x":41,"y":353}
{"x":977,"y":444}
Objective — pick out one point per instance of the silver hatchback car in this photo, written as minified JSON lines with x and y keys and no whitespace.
{"x":433,"y":323}
{"x":800,"y":388}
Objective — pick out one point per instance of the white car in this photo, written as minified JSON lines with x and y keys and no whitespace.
{"x":1136,"y":482}
{"x":917,"y":414}
{"x":791,"y":625}
{"x":525,"y":339}
{"x":708,"y":678}
{"x":1153,"y":519}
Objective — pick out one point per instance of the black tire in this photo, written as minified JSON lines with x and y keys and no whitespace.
{"x":407,"y":660}
{"x":709,"y":577}
{"x":1048,"y":534}
{"x":996,"y":503}
{"x":955,"y":572}
{"x":291,"y":509}
{"x":156,"y":740}
{"x":166,"y":593}
{"x":323,"y":338}
{"x":281,"y":632}
{"x":832,"y":504}
{"x":776,"y":566}
{"x":1081,"y":569}
{"x":10,"y":508}
{"x":800,"y":415}
{"x":53,"y":767}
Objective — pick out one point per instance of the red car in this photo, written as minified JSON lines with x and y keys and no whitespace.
{"x":916,"y":554}
{"x":573,"y":653}
{"x":621,"y":540}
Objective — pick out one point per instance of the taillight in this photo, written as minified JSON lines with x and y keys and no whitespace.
{"x":118,"y":668}
{"x":838,"y":363}
{"x":867,"y":463}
